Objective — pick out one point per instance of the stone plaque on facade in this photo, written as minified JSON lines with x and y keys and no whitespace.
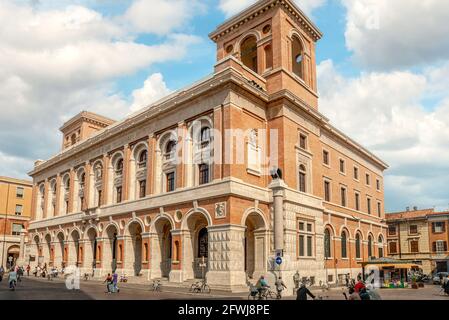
{"x":220,"y":210}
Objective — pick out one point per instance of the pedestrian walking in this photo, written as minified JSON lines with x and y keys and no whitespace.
{"x":12,"y":279}
{"x":109,"y":283}
{"x":2,"y":272}
{"x":28,"y":270}
{"x":303,"y":292}
{"x":115,"y":281}
{"x":280,"y":286}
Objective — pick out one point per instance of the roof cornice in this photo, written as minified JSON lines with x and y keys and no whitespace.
{"x":261,"y":7}
{"x":162,"y":106}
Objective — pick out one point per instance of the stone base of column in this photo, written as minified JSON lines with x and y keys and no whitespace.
{"x":234,"y":281}
{"x":176,"y":276}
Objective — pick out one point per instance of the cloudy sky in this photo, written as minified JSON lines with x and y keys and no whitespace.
{"x":383,"y":74}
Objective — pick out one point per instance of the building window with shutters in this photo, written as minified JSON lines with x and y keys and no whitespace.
{"x":170,"y":181}
{"x":327,"y":191}
{"x":19,"y":192}
{"x":16,"y":229}
{"x":342,"y":166}
{"x":19,"y":210}
{"x":393,"y":247}
{"x":391,"y":230}
{"x":439,"y":246}
{"x":413,"y":229}
{"x":357,"y":201}
{"x":327,"y":244}
{"x":343,"y":196}
{"x":439,"y":227}
{"x":368,"y":205}
{"x":358,"y":248}
{"x":142,"y":188}
{"x":302,"y":178}
{"x":414,"y":246}
{"x":344,"y":245}
{"x":356,"y":173}
{"x":326,"y":160}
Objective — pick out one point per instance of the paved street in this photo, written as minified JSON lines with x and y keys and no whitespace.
{"x":41,"y":289}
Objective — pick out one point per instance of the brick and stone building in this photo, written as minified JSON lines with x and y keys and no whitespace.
{"x":15,"y":213}
{"x":420,"y":235}
{"x":187,"y":178}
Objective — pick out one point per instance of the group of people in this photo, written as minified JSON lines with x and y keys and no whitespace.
{"x":302,"y":292}
{"x":360,"y":291}
{"x":111,"y":283}
{"x":15,"y":275}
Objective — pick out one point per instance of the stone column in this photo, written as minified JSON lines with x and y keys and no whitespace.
{"x":226,"y":262}
{"x":58,"y":195}
{"x":72,"y":195}
{"x":155,"y":256}
{"x":278,"y":187}
{"x":126,"y":173}
{"x":21,"y":260}
{"x":87,"y":186}
{"x":106,"y":197}
{"x":177,"y":272}
{"x":218,"y":143}
{"x":46,"y":199}
{"x":146,"y":264}
{"x":150,"y":164}
{"x":180,"y":166}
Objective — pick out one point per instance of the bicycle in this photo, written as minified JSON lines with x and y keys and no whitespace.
{"x":156,"y":286}
{"x":200,"y":287}
{"x":263,"y":294}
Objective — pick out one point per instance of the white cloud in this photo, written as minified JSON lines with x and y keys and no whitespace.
{"x":387,"y":34}
{"x":58,"y":60}
{"x":385,"y":112}
{"x":154,"y":88}
{"x":162,"y":16}
{"x":231,"y":7}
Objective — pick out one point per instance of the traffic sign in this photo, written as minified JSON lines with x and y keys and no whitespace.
{"x":279,"y":261}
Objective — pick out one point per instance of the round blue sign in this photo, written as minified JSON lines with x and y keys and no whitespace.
{"x":279,"y":260}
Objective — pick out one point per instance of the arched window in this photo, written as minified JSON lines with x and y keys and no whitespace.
{"x":67,"y":185}
{"x":170,"y":150}
{"x":143,"y":159}
{"x":370,"y":246}
{"x":381,"y":247}
{"x":297,"y":57}
{"x":203,"y":240}
{"x":358,"y":247}
{"x":344,"y":245}
{"x":302,"y":178}
{"x":268,"y":57}
{"x":73,"y":139}
{"x":327,"y":243}
{"x":119,"y":167}
{"x":82,"y":179}
{"x":248,"y":53}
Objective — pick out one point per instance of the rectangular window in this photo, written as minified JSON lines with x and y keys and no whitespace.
{"x":356,"y":173}
{"x":327,"y":191}
{"x":413,"y":229}
{"x":302,"y":181}
{"x":414,"y":246}
{"x":16,"y":229}
{"x":379,"y":209}
{"x":326,"y":157}
{"x":309,"y":246}
{"x":342,"y":166}
{"x":391,"y":230}
{"x":368,"y":205}
{"x":99,"y":198}
{"x":378,"y":184}
{"x":142,"y":188}
{"x":439,"y":227}
{"x":357,"y":201}
{"x":119,"y":194}
{"x":343,"y":197}
{"x":204,"y":174}
{"x":305,"y":239}
{"x":301,"y":246}
{"x":440,"y":246}
{"x":303,"y":141}
{"x":392,"y":246}
{"x":368,"y":181}
{"x":19,"y":210}
{"x":170,"y":182}
{"x":19,"y":192}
